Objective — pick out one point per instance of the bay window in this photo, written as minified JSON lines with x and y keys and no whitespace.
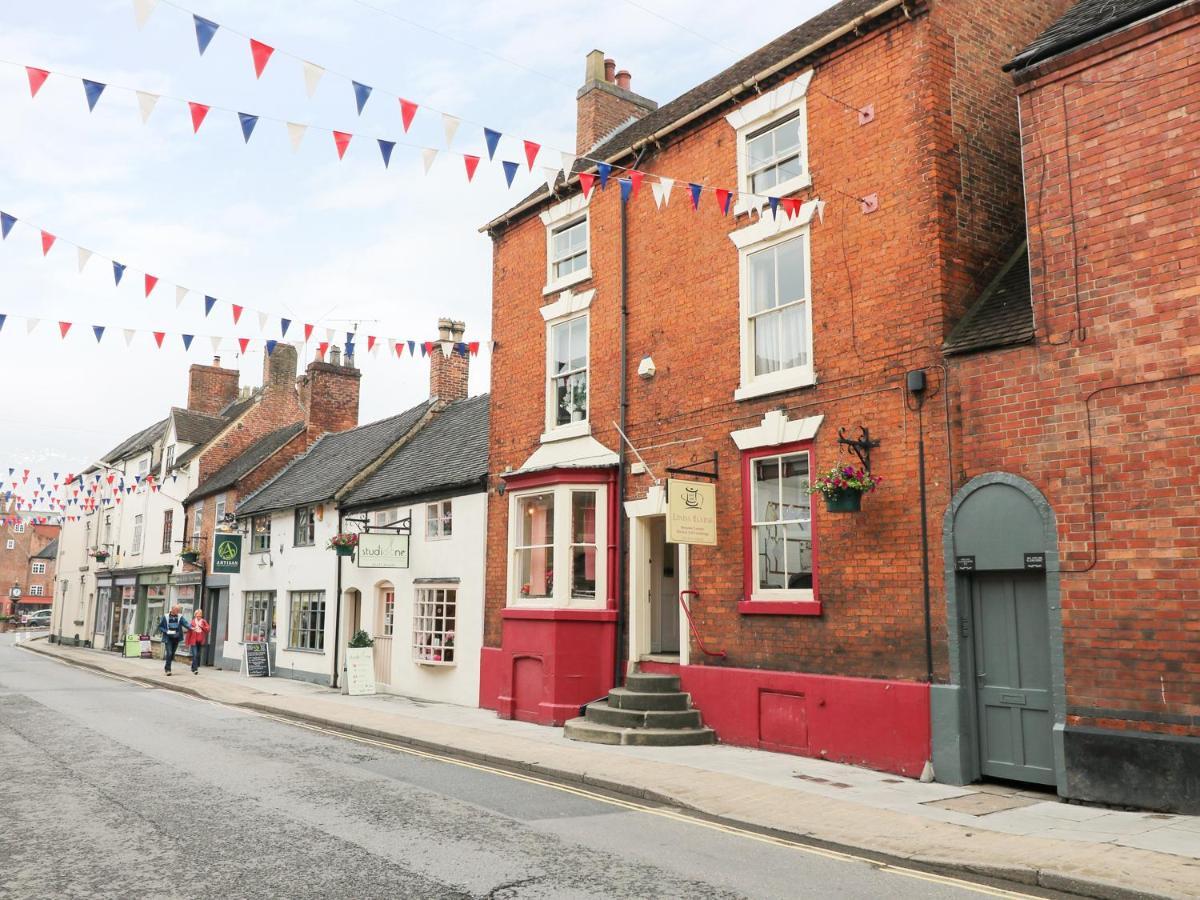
{"x":558,"y":530}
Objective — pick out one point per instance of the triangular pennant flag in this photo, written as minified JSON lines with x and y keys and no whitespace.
{"x":63,"y":328}
{"x":408,"y":109}
{"x":386,"y":148}
{"x":237,"y":312}
{"x":308,"y":330}
{"x":146,"y":102}
{"x":695,"y":189}
{"x":263,"y":318}
{"x":158,"y":338}
{"x":428,"y":155}
{"x":93,"y":90}
{"x":394,"y":347}
{"x":321,"y":348}
{"x":151,"y":281}
{"x":47,"y":242}
{"x":180,"y":294}
{"x":98,"y":330}
{"x":460,"y":348}
{"x":312,"y":77}
{"x":370,"y":342}
{"x":248,"y":122}
{"x":603,"y":170}
{"x":261,"y":53}
{"x":568,"y":164}
{"x":37,"y":77}
{"x":209,"y":303}
{"x":427,"y":348}
{"x":3,"y":317}
{"x":450,"y":127}
{"x":271,"y":347}
{"x":723,"y":198}
{"x":473,"y":348}
{"x":199,"y":111}
{"x":551,"y":176}
{"x":129,"y":333}
{"x":626,"y":185}
{"x":510,"y":171}
{"x":296,"y":133}
{"x":791,"y":206}
{"x":342,"y":140}
{"x":662,"y":191}
{"x":819,"y":208}
{"x":412,"y":347}
{"x":531,"y":152}
{"x":284,"y":325}
{"x":773,"y":202}
{"x":447,"y":347}
{"x":6,"y":224}
{"x":142,"y":10}
{"x":215,"y":340}
{"x":492,"y":139}
{"x":635,"y":178}
{"x":472,"y":163}
{"x":586,"y":180}
{"x":362,"y":93}
{"x":187,"y":341}
{"x":243,"y":343}
{"x":205,"y":30}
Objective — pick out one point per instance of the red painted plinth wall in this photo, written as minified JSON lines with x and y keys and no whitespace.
{"x":863,"y":721}
{"x":550,"y":663}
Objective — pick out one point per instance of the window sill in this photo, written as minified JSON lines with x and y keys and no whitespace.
{"x":763,"y":387}
{"x":304,"y":650}
{"x":779,"y":607}
{"x":441,"y":664}
{"x":574,"y":278}
{"x":582,"y":428}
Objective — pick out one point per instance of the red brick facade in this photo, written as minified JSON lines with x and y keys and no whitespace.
{"x":211,"y":388}
{"x":16,"y":565}
{"x":603,"y":104}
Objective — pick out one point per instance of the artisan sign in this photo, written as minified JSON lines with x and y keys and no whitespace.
{"x":691,"y":512}
{"x":383,"y":551}
{"x":227,"y":554}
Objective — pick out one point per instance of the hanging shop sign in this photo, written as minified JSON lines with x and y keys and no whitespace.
{"x":227,"y":554}
{"x":383,"y":551}
{"x":691,"y":512}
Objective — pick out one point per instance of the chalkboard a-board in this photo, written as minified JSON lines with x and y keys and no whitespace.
{"x":258,"y":659}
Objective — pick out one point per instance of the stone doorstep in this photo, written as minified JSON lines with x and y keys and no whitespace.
{"x":850,"y":827}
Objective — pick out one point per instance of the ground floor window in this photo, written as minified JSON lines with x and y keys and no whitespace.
{"x":779,"y":517}
{"x":258,"y":616}
{"x":433,"y":625}
{"x":557,"y":540}
{"x":156,"y":601}
{"x":307,"y":627}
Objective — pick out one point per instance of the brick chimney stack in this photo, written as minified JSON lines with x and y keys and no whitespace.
{"x":329,"y":395}
{"x":448,"y":373}
{"x":605,"y":102}
{"x":211,"y":388}
{"x":279,"y":368}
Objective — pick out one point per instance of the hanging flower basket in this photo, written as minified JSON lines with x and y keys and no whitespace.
{"x":344,"y":544}
{"x":100,"y":555}
{"x":843,"y":487}
{"x":189,"y":555}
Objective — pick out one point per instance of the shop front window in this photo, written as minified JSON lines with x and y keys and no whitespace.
{"x":557,"y":540}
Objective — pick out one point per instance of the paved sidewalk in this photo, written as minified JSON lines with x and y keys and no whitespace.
{"x":1024,"y":836}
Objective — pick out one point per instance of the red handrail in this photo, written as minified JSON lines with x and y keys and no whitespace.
{"x":720,"y":654}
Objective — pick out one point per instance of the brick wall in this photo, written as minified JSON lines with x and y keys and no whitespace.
{"x":883,"y":288}
{"x":15,"y":564}
{"x":329,"y":394}
{"x":1100,"y":414}
{"x":211,"y":388}
{"x":602,"y":104}
{"x":448,"y":375}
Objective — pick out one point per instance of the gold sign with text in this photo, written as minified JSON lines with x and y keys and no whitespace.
{"x":691,"y":512}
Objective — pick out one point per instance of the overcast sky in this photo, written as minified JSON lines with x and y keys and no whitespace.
{"x":298,"y":234}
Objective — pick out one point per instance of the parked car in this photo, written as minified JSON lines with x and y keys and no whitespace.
{"x":37,"y":619}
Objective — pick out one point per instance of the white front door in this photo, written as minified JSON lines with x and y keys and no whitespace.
{"x":663,"y":590}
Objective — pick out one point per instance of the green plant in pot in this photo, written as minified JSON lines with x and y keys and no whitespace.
{"x":189,"y":554}
{"x":843,"y":487}
{"x":344,"y":544}
{"x":361,"y":639}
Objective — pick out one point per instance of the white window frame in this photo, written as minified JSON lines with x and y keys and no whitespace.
{"x":568,"y":307}
{"x":437,"y":516}
{"x":138,"y":528}
{"x":429,"y":646}
{"x":197,"y":522}
{"x":143,"y":465}
{"x":758,"y":114}
{"x":36,"y":590}
{"x":560,"y":555}
{"x":562,"y":215}
{"x":254,"y":535}
{"x":168,"y":531}
{"x":38,"y":567}
{"x":310,"y":514}
{"x":777,"y":594}
{"x":219,"y":505}
{"x":10,"y":544}
{"x":18,"y":528}
{"x":253,"y":602}
{"x":168,"y":459}
{"x":762,"y":235}
{"x":296,"y":610}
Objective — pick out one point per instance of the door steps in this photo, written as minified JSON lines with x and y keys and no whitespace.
{"x":649,"y":711}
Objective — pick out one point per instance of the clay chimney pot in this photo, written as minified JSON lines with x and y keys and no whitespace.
{"x":623,"y":79}
{"x":610,"y":66}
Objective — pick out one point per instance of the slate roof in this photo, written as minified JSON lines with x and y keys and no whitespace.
{"x":1002,"y":315}
{"x":331,"y":463}
{"x":733,"y":77}
{"x":450,"y":452}
{"x":1086,"y":21}
{"x":233,"y":471}
{"x":50,"y":551}
{"x":137,"y":442}
{"x":195,"y":428}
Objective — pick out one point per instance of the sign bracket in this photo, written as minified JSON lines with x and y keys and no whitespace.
{"x":697,"y":473}
{"x":401,"y":526}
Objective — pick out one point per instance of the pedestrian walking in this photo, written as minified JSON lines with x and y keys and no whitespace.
{"x":172,"y":627}
{"x":197,"y":634}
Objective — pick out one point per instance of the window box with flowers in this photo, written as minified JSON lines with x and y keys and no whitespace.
{"x":344,"y":543}
{"x":189,"y":554}
{"x":99,"y":555}
{"x":843,"y":487}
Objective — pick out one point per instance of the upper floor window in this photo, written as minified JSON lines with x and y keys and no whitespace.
{"x":169,"y":459}
{"x":36,"y":590}
{"x":197,"y":521}
{"x":19,"y":528}
{"x":38,"y":567}
{"x":773,"y":155}
{"x":10,"y":544}
{"x":568,"y":257}
{"x":439,"y":520}
{"x":260,"y":534}
{"x":772,"y":138}
{"x":137,"y":536}
{"x":306,"y":526}
{"x":568,"y":372}
{"x":143,"y":465}
{"x":168,"y":523}
{"x":219,"y":511}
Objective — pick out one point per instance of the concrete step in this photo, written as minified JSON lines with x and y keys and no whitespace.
{"x":623,"y":698}
{"x":652,"y":683}
{"x":603,"y":714}
{"x":582,"y":730}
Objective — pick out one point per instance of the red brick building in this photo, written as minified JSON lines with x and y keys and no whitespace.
{"x":875,"y":157}
{"x":27,"y":557}
{"x":1079,"y":438}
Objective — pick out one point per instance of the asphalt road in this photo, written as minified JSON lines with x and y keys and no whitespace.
{"x":111,"y":789}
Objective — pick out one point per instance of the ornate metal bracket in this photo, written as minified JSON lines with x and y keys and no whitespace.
{"x":860,"y":446}
{"x":401,"y":526}
{"x":697,"y":473}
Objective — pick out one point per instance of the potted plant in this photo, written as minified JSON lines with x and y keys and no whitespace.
{"x":344,"y":544}
{"x":189,"y":554}
{"x":360,"y":664}
{"x":99,"y":555}
{"x":843,"y":487}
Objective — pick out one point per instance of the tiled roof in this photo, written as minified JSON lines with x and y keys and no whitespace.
{"x":233,"y":471}
{"x":1002,"y":315}
{"x":50,"y":551}
{"x":331,"y":463}
{"x":734,"y":77}
{"x":1086,"y":21}
{"x":450,"y":452}
{"x":139,"y":442}
{"x":195,"y":428}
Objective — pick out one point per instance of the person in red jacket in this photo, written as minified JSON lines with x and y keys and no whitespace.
{"x":196,"y":636}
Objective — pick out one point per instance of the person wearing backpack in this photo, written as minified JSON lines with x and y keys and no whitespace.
{"x":173,"y":626}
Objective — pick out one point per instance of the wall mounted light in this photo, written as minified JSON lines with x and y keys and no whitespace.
{"x":646,"y":368}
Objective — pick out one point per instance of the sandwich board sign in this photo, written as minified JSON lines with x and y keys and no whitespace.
{"x":257,"y":659}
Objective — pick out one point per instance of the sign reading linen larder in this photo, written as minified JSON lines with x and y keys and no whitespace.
{"x":383,"y":550}
{"x":691,"y":512}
